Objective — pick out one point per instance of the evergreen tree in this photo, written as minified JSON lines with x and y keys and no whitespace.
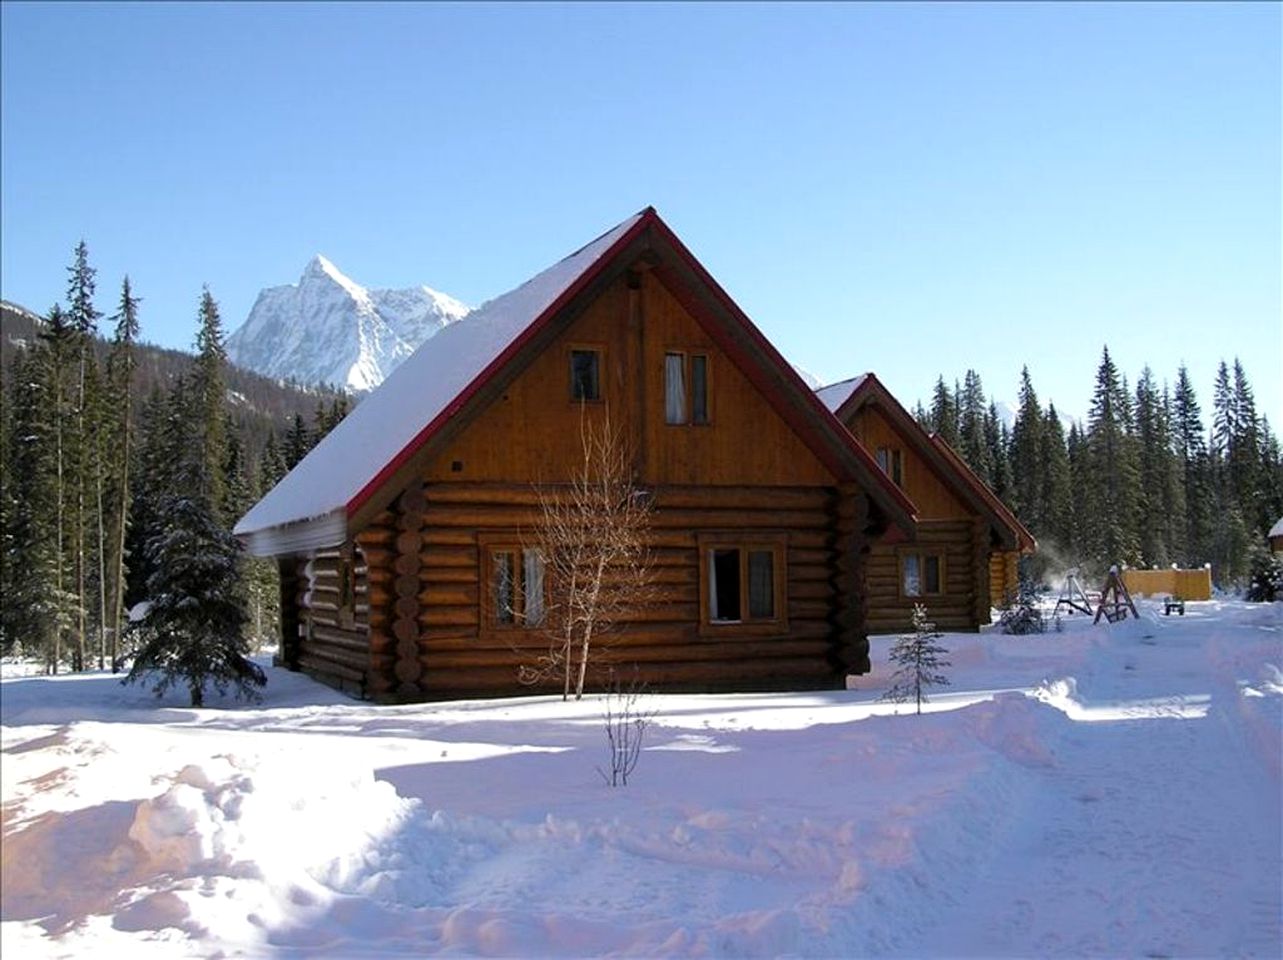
{"x":1115,"y":476}
{"x":120,"y":378}
{"x":1079,"y":496}
{"x":1271,"y":470}
{"x":1056,"y":492}
{"x":1244,"y":458}
{"x":920,"y":661}
{"x":83,"y":319}
{"x":298,"y":441}
{"x":943,"y":418}
{"x":194,"y":629}
{"x":1154,"y":464}
{"x":1172,"y":480}
{"x":972,"y":441}
{"x":37,"y":604}
{"x":209,"y":392}
{"x":57,"y":374}
{"x":997,"y":442}
{"x":193,"y":633}
{"x":1195,"y":470}
{"x":1026,"y":457}
{"x":272,"y":466}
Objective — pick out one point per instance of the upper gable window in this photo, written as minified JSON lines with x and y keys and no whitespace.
{"x":685,"y":388}
{"x":891,"y":461}
{"x":585,"y":374}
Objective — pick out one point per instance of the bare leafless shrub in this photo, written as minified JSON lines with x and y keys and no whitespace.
{"x":626,"y":717}
{"x":592,"y":534}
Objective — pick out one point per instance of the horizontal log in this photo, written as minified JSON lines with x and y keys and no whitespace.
{"x":320,"y":662}
{"x":809,"y":609}
{"x":352,"y":642}
{"x":447,"y":594}
{"x":459,"y":615}
{"x":443,"y":575}
{"x":723,"y":652}
{"x":624,"y":634}
{"x":453,"y":555}
{"x":774,"y":673}
{"x":376,"y":537}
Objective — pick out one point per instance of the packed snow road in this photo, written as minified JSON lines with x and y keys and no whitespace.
{"x":1099,"y":791}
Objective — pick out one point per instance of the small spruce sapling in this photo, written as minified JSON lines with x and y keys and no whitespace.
{"x":919,"y":659}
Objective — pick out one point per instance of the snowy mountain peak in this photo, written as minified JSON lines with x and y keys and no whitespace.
{"x":327,"y":328}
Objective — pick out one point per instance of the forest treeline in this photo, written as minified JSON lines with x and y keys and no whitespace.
{"x":122,"y":466}
{"x":1149,"y":480}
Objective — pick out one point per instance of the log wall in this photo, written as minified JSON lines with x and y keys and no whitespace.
{"x":955,"y":608}
{"x":1003,"y":576}
{"x":333,"y":620}
{"x":458,"y":653}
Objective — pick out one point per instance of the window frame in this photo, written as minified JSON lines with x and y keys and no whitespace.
{"x":688,"y":354}
{"x":894,"y":467}
{"x":599,"y":349}
{"x":921,"y":555}
{"x":489,"y":545}
{"x":746,"y":542}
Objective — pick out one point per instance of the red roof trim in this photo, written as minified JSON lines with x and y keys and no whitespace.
{"x":969,"y":478}
{"x":648,"y":216}
{"x":1023,"y":536}
{"x":836,"y":428}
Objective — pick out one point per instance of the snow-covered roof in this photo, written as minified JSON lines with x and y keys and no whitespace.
{"x":836,"y":394}
{"x":1277,"y":529}
{"x":308,"y":508}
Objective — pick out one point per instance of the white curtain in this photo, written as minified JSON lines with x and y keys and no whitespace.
{"x":674,"y":388}
{"x":534,"y":571}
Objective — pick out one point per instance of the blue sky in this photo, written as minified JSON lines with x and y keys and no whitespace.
{"x":912,"y":189}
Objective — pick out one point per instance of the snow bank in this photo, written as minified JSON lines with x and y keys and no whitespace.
{"x":1105,"y":791}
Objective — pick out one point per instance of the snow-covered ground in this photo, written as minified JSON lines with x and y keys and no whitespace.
{"x":1103,"y":791}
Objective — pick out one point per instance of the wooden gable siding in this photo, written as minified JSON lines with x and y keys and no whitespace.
{"x":744,"y":475}
{"x":530,"y":433}
{"x":931,"y":495}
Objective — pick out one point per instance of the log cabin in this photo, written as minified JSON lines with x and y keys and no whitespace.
{"x":963,"y":559}
{"x":400,"y":538}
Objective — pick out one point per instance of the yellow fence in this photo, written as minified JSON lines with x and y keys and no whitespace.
{"x":1186,"y":584}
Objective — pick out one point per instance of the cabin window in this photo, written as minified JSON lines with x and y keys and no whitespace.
{"x":699,"y":389}
{"x":743,"y":582}
{"x":585,"y":374}
{"x":921,"y":574}
{"x":674,"y":388}
{"x":685,"y":388}
{"x":892,"y":463}
{"x":516,"y":583}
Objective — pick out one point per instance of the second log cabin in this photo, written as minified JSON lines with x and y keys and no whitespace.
{"x":402,"y":538}
{"x":963,"y":558}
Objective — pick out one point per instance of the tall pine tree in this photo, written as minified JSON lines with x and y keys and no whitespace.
{"x":1112,"y":530}
{"x":1026,"y":457}
{"x":194,"y":632}
{"x":120,"y":378}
